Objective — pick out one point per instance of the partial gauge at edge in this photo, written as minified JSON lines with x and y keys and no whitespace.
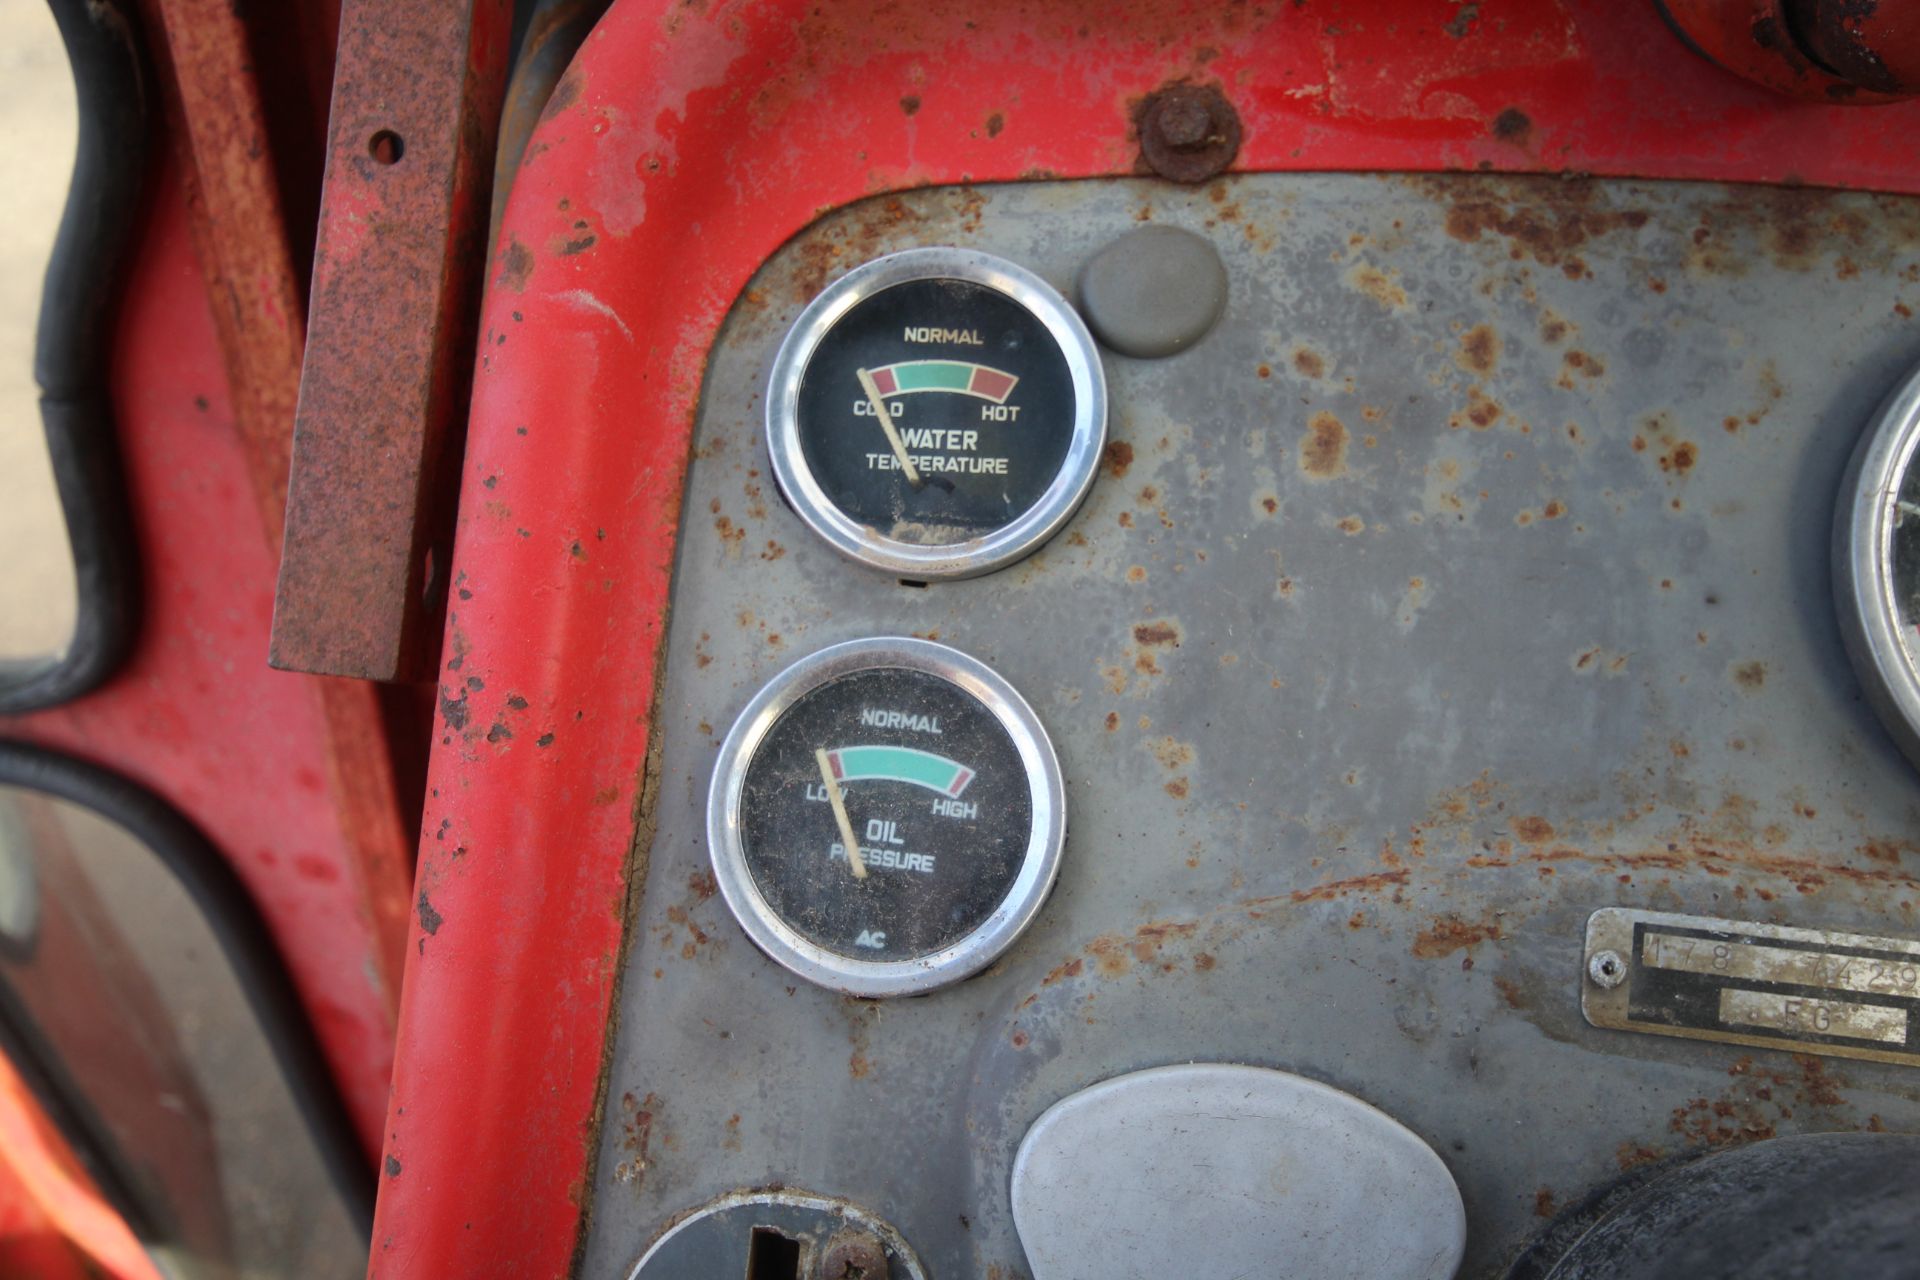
{"x":948,"y":785}
{"x":1876,"y":564}
{"x":937,"y":413}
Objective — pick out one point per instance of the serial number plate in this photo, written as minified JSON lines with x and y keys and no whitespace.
{"x":1847,"y":995}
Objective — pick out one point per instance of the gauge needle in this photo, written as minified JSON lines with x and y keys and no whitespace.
{"x":838,"y":801}
{"x":886,"y":424}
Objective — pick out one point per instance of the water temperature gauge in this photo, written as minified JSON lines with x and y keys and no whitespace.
{"x":937,"y":413}
{"x":886,"y":817}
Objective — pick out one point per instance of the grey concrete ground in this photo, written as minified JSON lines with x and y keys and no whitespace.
{"x":37,"y":133}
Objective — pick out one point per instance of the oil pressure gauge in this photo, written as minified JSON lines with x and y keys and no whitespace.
{"x":886,"y":817}
{"x":937,"y":413}
{"x":1876,"y":563}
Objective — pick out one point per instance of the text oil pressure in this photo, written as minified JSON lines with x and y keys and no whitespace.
{"x":886,"y":817}
{"x":937,"y":413}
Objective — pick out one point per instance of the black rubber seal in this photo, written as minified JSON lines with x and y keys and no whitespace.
{"x":73,"y":351}
{"x":245,"y":941}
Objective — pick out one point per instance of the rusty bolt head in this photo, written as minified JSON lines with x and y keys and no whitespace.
{"x":1184,"y":124}
{"x":853,"y":1255}
{"x":1874,"y":46}
{"x":1188,"y":132}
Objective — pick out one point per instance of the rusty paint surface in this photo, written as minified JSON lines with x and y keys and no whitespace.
{"x":692,"y":142}
{"x":398,"y":266}
{"x":1347,"y":772}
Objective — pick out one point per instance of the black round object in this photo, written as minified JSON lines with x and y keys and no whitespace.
{"x":936,"y":793}
{"x":1797,"y":1208}
{"x":978,"y":391}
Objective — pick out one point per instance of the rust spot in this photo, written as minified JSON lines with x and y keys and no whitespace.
{"x":1510,"y":992}
{"x":1110,"y":957}
{"x":1157,"y":633}
{"x":1204,"y":961}
{"x":1631,"y":1155}
{"x":1543,"y":1203}
{"x":1171,"y":752}
{"x":637,"y":1134}
{"x":995,"y":123}
{"x":1270,"y":504}
{"x":1533,"y":829}
{"x":1066,"y":969}
{"x":1479,"y":350}
{"x":857,"y":1066}
{"x":1137,"y":574}
{"x":1449,"y":933}
{"x":1750,"y":676}
{"x":1351,"y":525}
{"x":1323,"y":453}
{"x":1117,"y":456}
{"x":1680,"y":458}
{"x":1816,"y":1086}
{"x":1584,"y":364}
{"x":1378,"y":285}
{"x":430,"y":920}
{"x":1264,"y":371}
{"x":1177,"y":788}
{"x":1308,"y":362}
{"x":1547,"y":228}
{"x":1113,"y":721}
{"x":1374,"y":883}
{"x":516,"y":267}
{"x":909,"y":104}
{"x":1513,"y":125}
{"x":1481,"y":411}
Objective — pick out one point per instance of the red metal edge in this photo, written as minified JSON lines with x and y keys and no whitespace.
{"x":683,"y":147}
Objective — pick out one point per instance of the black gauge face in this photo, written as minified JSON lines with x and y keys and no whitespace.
{"x":936,"y":795}
{"x":1904,"y":553}
{"x":936,"y":411}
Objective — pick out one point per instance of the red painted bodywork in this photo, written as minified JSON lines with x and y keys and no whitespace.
{"x":684,"y":146}
{"x":196,"y":715}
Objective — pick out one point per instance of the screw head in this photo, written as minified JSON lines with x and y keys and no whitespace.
{"x":853,"y":1255}
{"x":1607,"y":969}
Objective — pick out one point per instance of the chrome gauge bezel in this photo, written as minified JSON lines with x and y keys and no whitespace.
{"x":1865,"y":518}
{"x":1039,"y":866}
{"x":1005,"y":545}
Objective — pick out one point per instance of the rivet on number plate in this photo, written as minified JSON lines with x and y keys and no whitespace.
{"x":1846,"y":995}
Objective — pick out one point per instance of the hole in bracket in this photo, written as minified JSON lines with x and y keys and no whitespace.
{"x":386,"y":147}
{"x":772,"y":1254}
{"x":909,"y":582}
